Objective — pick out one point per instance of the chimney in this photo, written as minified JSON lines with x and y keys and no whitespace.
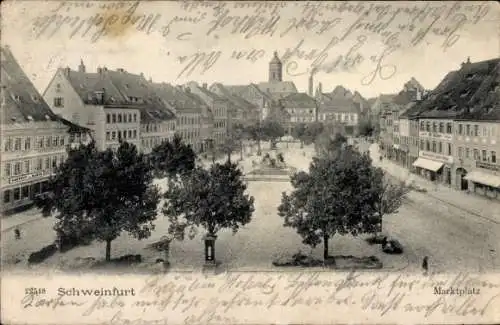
{"x":205,"y":85}
{"x":67,"y":71}
{"x":320,"y":88}
{"x":120,"y":70}
{"x":81,"y":67}
{"x":311,"y":82}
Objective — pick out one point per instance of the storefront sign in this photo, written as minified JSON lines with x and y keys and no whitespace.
{"x":434,"y":135}
{"x":489,"y":166}
{"x":437,"y":157}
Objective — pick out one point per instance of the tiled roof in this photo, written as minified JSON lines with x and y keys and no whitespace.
{"x":338,"y":104}
{"x":473,"y":92}
{"x":178,"y":98}
{"x":235,"y":99}
{"x":119,"y":87}
{"x":277,"y":87}
{"x":301,"y":100}
{"x":20,"y":100}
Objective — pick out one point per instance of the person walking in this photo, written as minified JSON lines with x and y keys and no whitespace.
{"x":425,"y":265}
{"x":17,"y":233}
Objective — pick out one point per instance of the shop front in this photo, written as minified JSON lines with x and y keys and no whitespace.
{"x":434,"y":167}
{"x":484,"y":183}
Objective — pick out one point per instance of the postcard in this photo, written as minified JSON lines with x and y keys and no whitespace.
{"x":250,"y":162}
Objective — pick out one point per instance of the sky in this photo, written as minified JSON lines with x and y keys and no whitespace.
{"x":182,"y":41}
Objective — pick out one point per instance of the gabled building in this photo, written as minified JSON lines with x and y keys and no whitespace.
{"x":34,"y":140}
{"x":113,"y":104}
{"x":188,"y":111}
{"x":458,"y":128}
{"x":338,"y":110}
{"x":301,"y":107}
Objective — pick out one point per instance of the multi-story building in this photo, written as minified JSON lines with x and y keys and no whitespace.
{"x":188,"y":112}
{"x":458,"y":122}
{"x":241,"y":110}
{"x":301,"y":107}
{"x":339,"y":110}
{"x":115,"y":105}
{"x":34,"y":140}
{"x":477,"y":144}
{"x":435,"y":160}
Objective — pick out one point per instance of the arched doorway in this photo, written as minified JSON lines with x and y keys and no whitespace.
{"x":462,"y":183}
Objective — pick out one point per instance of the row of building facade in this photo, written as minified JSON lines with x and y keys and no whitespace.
{"x":108,"y":105}
{"x":451,"y":135}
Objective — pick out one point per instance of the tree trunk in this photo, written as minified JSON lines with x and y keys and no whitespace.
{"x":229,"y":157}
{"x":108,"y":250}
{"x":325,"y":247}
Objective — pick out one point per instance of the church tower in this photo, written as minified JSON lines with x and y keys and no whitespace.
{"x":275,"y":69}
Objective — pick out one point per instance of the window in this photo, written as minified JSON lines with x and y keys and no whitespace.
{"x":54,"y":162}
{"x":434,"y":127}
{"x":27,"y":166}
{"x":25,"y":192}
{"x":114,"y":118}
{"x":460,"y":129}
{"x":7,"y":169}
{"x":433,"y":146}
{"x":493,"y":128}
{"x":441,"y":127}
{"x":483,"y":155}
{"x":6,"y":196}
{"x":129,"y":134}
{"x":61,"y":160}
{"x":108,"y":135}
{"x":48,"y":141}
{"x":47,"y":163}
{"x":476,"y":130}
{"x":130,"y":118}
{"x":125,"y":134}
{"x":8,"y":144}
{"x":460,"y":152}
{"x":58,"y":102}
{"x":17,"y":144}
{"x":449,"y":149}
{"x":39,"y":164}
{"x":427,"y":145}
{"x":449,"y":127}
{"x":54,"y":141}
{"x":58,"y":88}
{"x":467,"y":153}
{"x":467,"y":127}
{"x":17,"y":194}
{"x":108,"y":118}
{"x":27,"y":144}
{"x":422,"y":125}
{"x":494,"y":157}
{"x":440,"y":147}
{"x":135,"y":117}
{"x":40,"y":142}
{"x":476,"y":154}
{"x":17,"y":168}
{"x":119,"y":118}
{"x":61,"y":140}
{"x":113,"y":135}
{"x":135,"y":134}
{"x":485,"y":131}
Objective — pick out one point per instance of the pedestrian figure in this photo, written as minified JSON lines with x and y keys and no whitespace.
{"x":381,"y":158}
{"x":17,"y":233}
{"x":425,"y":264}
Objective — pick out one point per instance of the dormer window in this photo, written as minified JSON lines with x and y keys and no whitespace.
{"x":17,"y":98}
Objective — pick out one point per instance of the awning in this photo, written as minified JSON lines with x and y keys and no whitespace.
{"x":483,"y":178}
{"x":428,"y":164}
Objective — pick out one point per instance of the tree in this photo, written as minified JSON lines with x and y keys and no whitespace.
{"x":213,"y":199}
{"x":312,"y":131}
{"x":390,"y":197}
{"x":254,"y":132}
{"x":325,"y":145}
{"x":234,"y":141}
{"x":298,"y":133}
{"x":366,"y":128}
{"x":172,"y":157}
{"x":103,"y":194}
{"x":336,"y":196}
{"x":272,"y":130}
